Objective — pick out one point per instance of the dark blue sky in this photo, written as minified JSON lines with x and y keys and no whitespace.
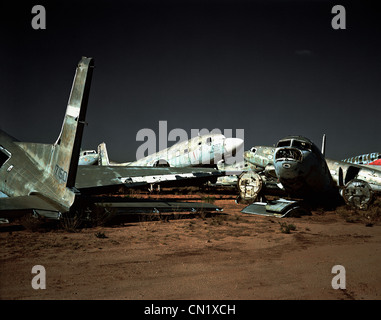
{"x":272,"y":68}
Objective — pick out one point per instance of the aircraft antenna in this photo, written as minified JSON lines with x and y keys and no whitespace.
{"x":323,"y":145}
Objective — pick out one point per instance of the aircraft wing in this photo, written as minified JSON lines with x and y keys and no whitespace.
{"x":99,"y":179}
{"x":43,"y":205}
{"x":375,"y":166}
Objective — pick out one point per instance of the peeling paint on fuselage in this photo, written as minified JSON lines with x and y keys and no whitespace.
{"x":23,"y":175}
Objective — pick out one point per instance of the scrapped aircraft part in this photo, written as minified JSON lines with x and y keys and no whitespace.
{"x":249,"y":185}
{"x":276,"y":208}
{"x":202,"y":150}
{"x":358,"y":194}
{"x":88,"y":157}
{"x":156,"y":179}
{"x":270,"y":171}
{"x":3,"y":195}
{"x":161,"y":163}
{"x":54,"y":215}
{"x":39,"y":176}
{"x":152,"y":188}
{"x":101,"y":179}
{"x":103,"y":159}
{"x":290,"y":154}
{"x":156,"y":206}
{"x":17,"y":206}
{"x":259,"y":156}
{"x":366,"y":159}
{"x":226,"y":181}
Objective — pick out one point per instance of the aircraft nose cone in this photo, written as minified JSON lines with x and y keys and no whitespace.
{"x":232,"y":145}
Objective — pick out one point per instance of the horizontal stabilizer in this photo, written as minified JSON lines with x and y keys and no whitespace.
{"x":29,"y":203}
{"x":276,"y":208}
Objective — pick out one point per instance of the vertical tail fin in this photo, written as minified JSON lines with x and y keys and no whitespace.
{"x":67,"y":147}
{"x":60,"y":160}
{"x":103,"y":155}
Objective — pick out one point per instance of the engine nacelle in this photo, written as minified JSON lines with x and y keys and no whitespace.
{"x":357,"y":194}
{"x":249,"y":185}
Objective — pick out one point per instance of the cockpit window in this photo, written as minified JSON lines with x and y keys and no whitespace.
{"x":4,"y":156}
{"x":288,"y":154}
{"x":302,"y":145}
{"x":284,"y":143}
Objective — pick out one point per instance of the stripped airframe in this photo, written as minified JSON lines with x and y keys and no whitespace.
{"x":204,"y":150}
{"x":46,"y":179}
{"x":298,"y":169}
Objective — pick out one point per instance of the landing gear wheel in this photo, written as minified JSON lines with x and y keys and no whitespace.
{"x":358,"y":194}
{"x":249,"y":185}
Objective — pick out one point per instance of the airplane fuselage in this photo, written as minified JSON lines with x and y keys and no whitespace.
{"x":88,"y":157}
{"x":367,"y":159}
{"x":301,"y":168}
{"x":298,"y":169}
{"x":200,"y":150}
{"x":23,"y":175}
{"x":203,"y":151}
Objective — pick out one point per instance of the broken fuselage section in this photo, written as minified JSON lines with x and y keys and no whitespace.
{"x":299,"y":170}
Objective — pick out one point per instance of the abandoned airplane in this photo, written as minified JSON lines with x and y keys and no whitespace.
{"x":298,"y":169}
{"x":371,"y":159}
{"x":203,"y":150}
{"x":46,"y":178}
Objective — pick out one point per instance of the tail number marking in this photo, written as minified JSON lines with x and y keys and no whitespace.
{"x":60,"y":174}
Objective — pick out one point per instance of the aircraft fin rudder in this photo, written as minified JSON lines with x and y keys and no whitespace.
{"x":60,"y":160}
{"x":65,"y":153}
{"x":103,"y":159}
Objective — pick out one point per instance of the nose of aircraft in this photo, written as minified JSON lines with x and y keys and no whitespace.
{"x":232,"y":145}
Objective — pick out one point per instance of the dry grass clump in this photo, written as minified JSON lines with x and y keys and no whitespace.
{"x":287,"y":227}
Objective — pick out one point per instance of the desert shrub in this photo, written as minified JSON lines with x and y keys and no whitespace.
{"x":286,"y":228}
{"x":100,"y":235}
{"x":71,"y":222}
{"x":99,"y":215}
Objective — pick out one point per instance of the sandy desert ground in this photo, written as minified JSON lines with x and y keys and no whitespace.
{"x":229,"y":255}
